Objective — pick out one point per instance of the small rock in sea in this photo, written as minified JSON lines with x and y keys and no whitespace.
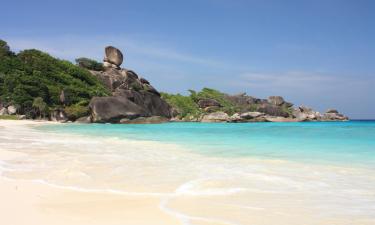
{"x":215,"y":117}
{"x":251,"y":115}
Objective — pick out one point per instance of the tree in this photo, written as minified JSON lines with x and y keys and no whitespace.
{"x":31,"y":73}
{"x":4,"y":48}
{"x":89,"y":64}
{"x":40,"y":105}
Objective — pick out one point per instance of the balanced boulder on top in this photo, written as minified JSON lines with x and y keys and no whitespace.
{"x":113,"y":56}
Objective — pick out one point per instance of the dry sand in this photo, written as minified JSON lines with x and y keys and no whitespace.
{"x":28,"y":202}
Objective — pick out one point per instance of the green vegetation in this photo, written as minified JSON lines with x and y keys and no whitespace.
{"x":288,"y":110}
{"x":41,"y":106}
{"x":32,"y":74}
{"x":89,"y":64}
{"x":76,"y":111}
{"x":37,"y":84}
{"x":208,"y":93}
{"x":252,"y":108}
{"x":187,"y":106}
{"x":9,"y":117}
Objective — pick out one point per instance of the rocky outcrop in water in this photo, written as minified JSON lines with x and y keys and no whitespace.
{"x":216,"y":117}
{"x":132,"y":96}
{"x":273,"y":109}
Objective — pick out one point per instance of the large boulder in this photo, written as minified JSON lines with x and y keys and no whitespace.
{"x":276,"y":100}
{"x":333,"y":115}
{"x":144,"y":81}
{"x":113,"y":56}
{"x":115,"y":79}
{"x":111,"y":78}
{"x":85,"y":119}
{"x":272,"y":110}
{"x":304,"y":113}
{"x":242,"y":100}
{"x":149,"y":101}
{"x":280,"y":119}
{"x":3,"y":111}
{"x":58,"y":115}
{"x":251,"y":115}
{"x":299,"y":115}
{"x":204,"y":103}
{"x":332,"y":111}
{"x":150,"y":88}
{"x":114,"y":108}
{"x":145,"y":120}
{"x":12,"y":110}
{"x":235,"y":118}
{"x":216,"y":117}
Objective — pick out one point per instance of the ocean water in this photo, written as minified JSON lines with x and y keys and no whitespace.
{"x":210,"y":173}
{"x":317,"y":142}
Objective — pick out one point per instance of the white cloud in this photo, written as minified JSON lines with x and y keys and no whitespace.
{"x":288,"y":79}
{"x":72,"y":46}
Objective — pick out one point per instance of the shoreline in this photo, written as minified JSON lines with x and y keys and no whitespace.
{"x":276,"y":120}
{"x":194,"y":200}
{"x":32,"y":201}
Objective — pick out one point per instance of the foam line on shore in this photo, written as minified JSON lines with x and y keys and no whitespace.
{"x":185,"y":219}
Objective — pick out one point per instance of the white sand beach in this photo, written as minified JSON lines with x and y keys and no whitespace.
{"x":33,"y":202}
{"x":51,"y":178}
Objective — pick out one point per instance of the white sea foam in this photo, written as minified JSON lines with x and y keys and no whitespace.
{"x":186,"y":219}
{"x":193,"y":188}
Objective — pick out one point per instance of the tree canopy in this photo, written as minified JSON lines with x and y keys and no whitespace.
{"x":32,"y":73}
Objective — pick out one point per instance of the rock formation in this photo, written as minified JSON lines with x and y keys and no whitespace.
{"x":215,"y":117}
{"x":273,"y":109}
{"x":113,"y":57}
{"x":276,"y":100}
{"x":132,"y":96}
{"x":12,"y":110}
{"x":59,"y":115}
{"x":3,"y":111}
{"x":333,"y":115}
{"x":204,"y":103}
{"x":145,"y":120}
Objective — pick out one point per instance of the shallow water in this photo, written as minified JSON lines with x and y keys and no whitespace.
{"x":257,"y":173}
{"x":330,"y":142}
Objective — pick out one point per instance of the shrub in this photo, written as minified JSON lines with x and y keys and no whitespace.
{"x":76,"y":111}
{"x":89,"y":64}
{"x":4,"y":48}
{"x":9,"y":117}
{"x":208,"y":93}
{"x":184,"y":104}
{"x":41,"y":106}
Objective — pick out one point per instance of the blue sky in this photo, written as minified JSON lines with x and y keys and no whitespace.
{"x":318,"y":53}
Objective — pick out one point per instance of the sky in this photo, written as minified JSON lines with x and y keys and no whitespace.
{"x":317,"y":53}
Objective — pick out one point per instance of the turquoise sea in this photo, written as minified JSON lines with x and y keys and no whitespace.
{"x":350,"y":142}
